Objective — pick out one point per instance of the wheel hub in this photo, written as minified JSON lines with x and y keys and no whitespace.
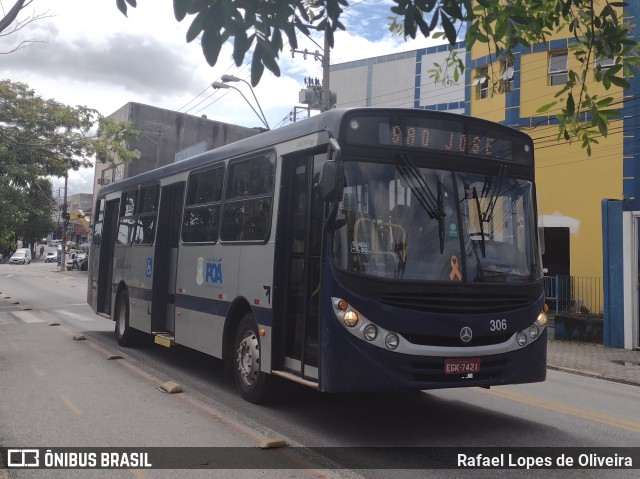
{"x":248,"y":358}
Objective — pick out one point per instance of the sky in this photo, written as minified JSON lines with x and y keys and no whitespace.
{"x":87,"y":53}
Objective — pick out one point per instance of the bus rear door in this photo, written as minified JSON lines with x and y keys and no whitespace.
{"x":165,"y":261}
{"x":102,"y":275}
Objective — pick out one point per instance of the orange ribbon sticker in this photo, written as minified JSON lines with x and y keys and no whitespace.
{"x":455,"y":272}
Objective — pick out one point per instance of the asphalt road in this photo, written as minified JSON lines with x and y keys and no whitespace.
{"x":63,"y":392}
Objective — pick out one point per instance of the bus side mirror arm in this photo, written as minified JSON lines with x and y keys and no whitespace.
{"x":333,"y":174}
{"x":332,"y":180}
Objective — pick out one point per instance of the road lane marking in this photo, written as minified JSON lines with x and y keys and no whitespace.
{"x":27,"y":317}
{"x":138,"y":474}
{"x":71,"y":405}
{"x":582,"y":413}
{"x":77,"y":316}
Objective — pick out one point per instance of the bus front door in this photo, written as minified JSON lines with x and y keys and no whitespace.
{"x":299,"y":247}
{"x":165,"y":259}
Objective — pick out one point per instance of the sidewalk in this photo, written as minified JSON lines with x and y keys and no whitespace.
{"x":619,"y":365}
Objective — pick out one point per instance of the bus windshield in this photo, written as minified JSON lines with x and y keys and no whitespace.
{"x":415,"y":223}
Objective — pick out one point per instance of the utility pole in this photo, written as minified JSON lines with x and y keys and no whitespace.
{"x":309,"y":95}
{"x":65,"y":223}
{"x":326,"y":92}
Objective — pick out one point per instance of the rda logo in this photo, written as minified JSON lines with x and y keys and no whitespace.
{"x":23,"y":458}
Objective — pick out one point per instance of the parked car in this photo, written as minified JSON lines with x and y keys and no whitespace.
{"x":51,"y":257}
{"x":20,"y":257}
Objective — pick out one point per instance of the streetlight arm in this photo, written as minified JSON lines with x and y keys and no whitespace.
{"x":231,"y":78}
{"x":264,"y":118}
{"x":261,"y":118}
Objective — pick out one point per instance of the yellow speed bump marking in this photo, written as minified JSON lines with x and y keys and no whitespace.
{"x":595,"y":416}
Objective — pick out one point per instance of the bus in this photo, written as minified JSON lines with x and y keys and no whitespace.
{"x":359,"y":250}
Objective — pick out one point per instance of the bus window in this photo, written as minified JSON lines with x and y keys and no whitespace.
{"x":97,"y":225}
{"x":147,"y":216}
{"x":127,"y":221}
{"x":202,"y":208}
{"x":247,"y":208}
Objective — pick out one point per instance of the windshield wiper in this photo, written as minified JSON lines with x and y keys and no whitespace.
{"x":487,"y":214}
{"x":481,"y":221}
{"x":432,"y":205}
{"x":492,"y":193}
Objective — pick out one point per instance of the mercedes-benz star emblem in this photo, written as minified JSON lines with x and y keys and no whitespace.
{"x":466,"y":334}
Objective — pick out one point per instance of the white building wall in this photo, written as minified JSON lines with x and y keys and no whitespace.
{"x":397,"y":80}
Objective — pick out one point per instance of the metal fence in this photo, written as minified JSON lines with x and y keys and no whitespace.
{"x":575,"y":295}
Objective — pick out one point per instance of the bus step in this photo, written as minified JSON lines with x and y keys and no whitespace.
{"x":295,"y":378}
{"x":163,"y":339}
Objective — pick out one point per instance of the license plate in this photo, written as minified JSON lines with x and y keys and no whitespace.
{"x":461,"y":365}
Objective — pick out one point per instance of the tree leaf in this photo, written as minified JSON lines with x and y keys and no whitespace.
{"x":180,"y":8}
{"x":449,"y":29}
{"x":257,"y":68}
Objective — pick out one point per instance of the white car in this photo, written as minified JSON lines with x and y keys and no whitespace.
{"x":19,"y":257}
{"x":51,"y":257}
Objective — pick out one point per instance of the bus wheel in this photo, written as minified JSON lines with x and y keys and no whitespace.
{"x":253,"y":385}
{"x":124,"y":333}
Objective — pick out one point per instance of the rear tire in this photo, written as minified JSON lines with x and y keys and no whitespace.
{"x":124,"y":333}
{"x":254,"y":385}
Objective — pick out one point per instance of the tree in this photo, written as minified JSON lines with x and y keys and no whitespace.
{"x":597,"y":26}
{"x":10,"y":23}
{"x":40,"y":138}
{"x":38,"y":204}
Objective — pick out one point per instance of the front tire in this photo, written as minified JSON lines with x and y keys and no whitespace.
{"x":254,"y":386}
{"x":124,"y":333}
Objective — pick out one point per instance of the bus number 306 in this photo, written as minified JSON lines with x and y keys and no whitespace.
{"x":498,"y":325}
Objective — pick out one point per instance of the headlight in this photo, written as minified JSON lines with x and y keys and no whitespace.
{"x":542,"y":320}
{"x":391,"y":341}
{"x":350,"y":318}
{"x":521,"y":337}
{"x":370,"y":332}
{"x":534,"y":331}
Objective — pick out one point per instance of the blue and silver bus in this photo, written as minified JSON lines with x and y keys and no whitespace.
{"x":359,"y":250}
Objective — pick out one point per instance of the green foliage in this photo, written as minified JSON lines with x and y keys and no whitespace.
{"x":40,"y":138}
{"x":261,"y":25}
{"x":38,"y":205}
{"x":597,"y":28}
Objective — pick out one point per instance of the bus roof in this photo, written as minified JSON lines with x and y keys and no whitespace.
{"x":328,"y":121}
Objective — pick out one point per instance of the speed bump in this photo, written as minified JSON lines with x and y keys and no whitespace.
{"x":170,"y":387}
{"x":271,"y":443}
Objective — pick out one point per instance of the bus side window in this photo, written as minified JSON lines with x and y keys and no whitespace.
{"x":247,"y":209}
{"x":127,"y":217}
{"x":202,"y":208}
{"x":146,"y":218}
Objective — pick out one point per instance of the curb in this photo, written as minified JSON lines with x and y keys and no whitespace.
{"x":591,"y":374}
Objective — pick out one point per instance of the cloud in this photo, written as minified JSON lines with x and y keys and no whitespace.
{"x":137,"y":63}
{"x":97,"y":57}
